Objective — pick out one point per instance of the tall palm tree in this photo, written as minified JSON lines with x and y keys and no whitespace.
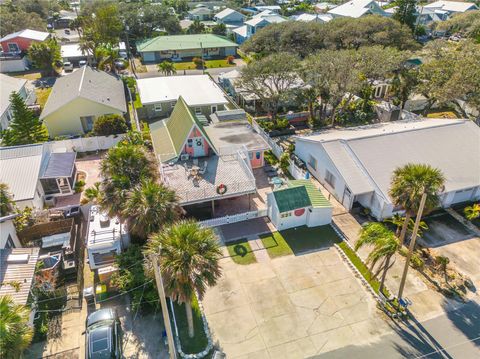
{"x":15,"y":332}
{"x":384,"y":246}
{"x":189,"y":262}
{"x":409,"y":183}
{"x":167,"y":68}
{"x":106,"y":56}
{"x":6,"y":200}
{"x":150,"y":206}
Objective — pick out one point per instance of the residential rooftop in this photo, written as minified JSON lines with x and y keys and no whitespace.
{"x":27,"y":34}
{"x":103,"y":230}
{"x":230,"y":134}
{"x":366,"y":157}
{"x":184,"y":42}
{"x":9,"y":84}
{"x":195,"y":89}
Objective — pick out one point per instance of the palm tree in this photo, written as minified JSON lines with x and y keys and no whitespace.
{"x":6,"y":200}
{"x":443,"y":263}
{"x":385,"y":245}
{"x":93,"y":194}
{"x":472,"y":212}
{"x":403,"y":84}
{"x":106,"y":56}
{"x":15,"y":332}
{"x":150,"y":206}
{"x":122,"y":168}
{"x":409,"y":183}
{"x":189,"y":262}
{"x":398,"y":221}
{"x":167,"y":68}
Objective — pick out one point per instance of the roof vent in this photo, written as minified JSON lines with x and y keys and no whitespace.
{"x":18,"y":258}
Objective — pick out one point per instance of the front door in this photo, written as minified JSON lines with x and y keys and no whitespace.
{"x":347,"y":198}
{"x":198,"y":147}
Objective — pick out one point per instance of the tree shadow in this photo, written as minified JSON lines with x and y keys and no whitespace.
{"x":467,"y":320}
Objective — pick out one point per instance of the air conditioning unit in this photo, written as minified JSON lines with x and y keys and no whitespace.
{"x":50,"y":201}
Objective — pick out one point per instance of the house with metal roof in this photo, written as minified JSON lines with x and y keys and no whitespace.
{"x":229,"y":17}
{"x":182,"y":47}
{"x":79,"y":98}
{"x":8,"y":233}
{"x":356,"y":164}
{"x":357,"y":8}
{"x":257,"y":22}
{"x":17,"y":265}
{"x":196,"y":162}
{"x":201,"y":13}
{"x":159,"y":95}
{"x":21,"y":40}
{"x":298,"y":203}
{"x":33,"y":173}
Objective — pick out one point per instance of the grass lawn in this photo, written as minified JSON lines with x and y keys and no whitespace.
{"x":31,"y":75}
{"x":199,"y":342}
{"x":137,"y":103}
{"x":299,"y":240}
{"x":209,"y":64}
{"x":241,"y":252}
{"x":42,"y":96}
{"x":362,"y":268}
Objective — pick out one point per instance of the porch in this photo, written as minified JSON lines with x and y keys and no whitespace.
{"x":59,"y":174}
{"x":209,"y":178}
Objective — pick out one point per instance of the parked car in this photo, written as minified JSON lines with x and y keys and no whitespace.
{"x":67,"y":66}
{"x":67,"y":31}
{"x":82,"y":63}
{"x":103,"y":336}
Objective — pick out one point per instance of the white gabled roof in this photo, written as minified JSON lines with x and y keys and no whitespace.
{"x":353,"y":8}
{"x":27,"y":34}
{"x":196,"y":90}
{"x":452,"y":6}
{"x":226,"y":12}
{"x":8,"y":85}
{"x":242,"y":31}
{"x":313,"y":17}
{"x":367,"y":156}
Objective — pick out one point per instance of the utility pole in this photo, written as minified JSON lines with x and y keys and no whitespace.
{"x":203,"y":62}
{"x":412,"y":244}
{"x":163,"y":302}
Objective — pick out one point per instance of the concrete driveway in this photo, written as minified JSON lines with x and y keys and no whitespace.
{"x":290,"y":307}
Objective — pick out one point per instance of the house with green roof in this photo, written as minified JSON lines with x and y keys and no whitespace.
{"x":192,"y":162}
{"x":299,"y":203}
{"x":181,"y":47}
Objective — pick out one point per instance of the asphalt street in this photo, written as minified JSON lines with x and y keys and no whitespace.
{"x":453,"y":335}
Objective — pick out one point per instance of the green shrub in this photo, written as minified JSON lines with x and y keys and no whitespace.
{"x":285,"y":162}
{"x":107,"y":125}
{"x":270,"y":158}
{"x":417,"y":262}
{"x":198,"y":62}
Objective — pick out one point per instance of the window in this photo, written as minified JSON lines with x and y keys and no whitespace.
{"x":172,"y":104}
{"x":214,"y":109}
{"x":10,"y":243}
{"x":257,"y":155}
{"x":198,"y":111}
{"x":330,"y":178}
{"x":87,"y":123}
{"x":250,"y":155}
{"x":157,"y":107}
{"x":13,"y":47}
{"x":189,"y":142}
{"x":312,"y":162}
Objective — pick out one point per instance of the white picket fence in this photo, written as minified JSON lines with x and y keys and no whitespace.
{"x":276,"y":148}
{"x":220,"y":221}
{"x":85,"y":144}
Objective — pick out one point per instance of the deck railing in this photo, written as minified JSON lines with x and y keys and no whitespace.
{"x":240,"y":217}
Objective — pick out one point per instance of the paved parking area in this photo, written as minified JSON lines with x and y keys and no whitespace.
{"x":290,"y":307}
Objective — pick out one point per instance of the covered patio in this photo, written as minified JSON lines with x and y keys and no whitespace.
{"x":58,"y":176}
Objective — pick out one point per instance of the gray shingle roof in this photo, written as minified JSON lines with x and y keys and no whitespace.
{"x":94,"y":85}
{"x":8,"y":85}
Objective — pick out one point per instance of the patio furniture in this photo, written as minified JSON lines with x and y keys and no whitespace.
{"x":195,"y":161}
{"x":272,"y":174}
{"x":277,"y":182}
{"x":269,"y":168}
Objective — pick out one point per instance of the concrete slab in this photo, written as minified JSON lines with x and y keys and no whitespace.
{"x":289,"y":307}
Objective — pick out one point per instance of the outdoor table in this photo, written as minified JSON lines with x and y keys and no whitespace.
{"x":277,"y":181}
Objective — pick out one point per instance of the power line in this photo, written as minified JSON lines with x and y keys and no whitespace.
{"x":451,"y":346}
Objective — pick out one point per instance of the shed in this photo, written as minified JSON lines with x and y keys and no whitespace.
{"x":297,"y":204}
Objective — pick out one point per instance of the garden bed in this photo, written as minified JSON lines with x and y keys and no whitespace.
{"x":209,"y":64}
{"x":199,"y":342}
{"x":241,"y":252}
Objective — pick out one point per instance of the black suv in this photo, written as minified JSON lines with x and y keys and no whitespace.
{"x":103,"y":337}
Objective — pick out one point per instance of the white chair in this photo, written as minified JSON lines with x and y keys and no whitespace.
{"x":204,"y":168}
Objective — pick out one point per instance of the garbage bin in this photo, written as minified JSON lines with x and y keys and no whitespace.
{"x":89,"y":295}
{"x":101,"y":291}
